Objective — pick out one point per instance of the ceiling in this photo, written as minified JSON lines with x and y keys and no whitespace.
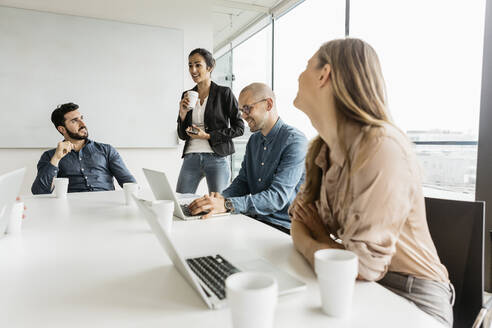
{"x":231,"y":17}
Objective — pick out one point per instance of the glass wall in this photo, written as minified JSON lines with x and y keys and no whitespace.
{"x":431,"y":55}
{"x":432,"y":67}
{"x":298,"y":35}
{"x":222,"y":73}
{"x":252,"y":60}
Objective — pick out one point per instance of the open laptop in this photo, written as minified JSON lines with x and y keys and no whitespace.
{"x":206,"y":274}
{"x":161,"y":188}
{"x":10,"y":184}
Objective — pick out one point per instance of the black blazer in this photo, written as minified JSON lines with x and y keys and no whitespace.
{"x":222,"y":120}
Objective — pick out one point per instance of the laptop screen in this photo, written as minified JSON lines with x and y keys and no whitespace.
{"x":167,"y":244}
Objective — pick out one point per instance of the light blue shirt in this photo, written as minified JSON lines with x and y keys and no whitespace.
{"x":271,"y":174}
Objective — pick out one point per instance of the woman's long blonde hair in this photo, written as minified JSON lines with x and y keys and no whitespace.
{"x":360,"y":96}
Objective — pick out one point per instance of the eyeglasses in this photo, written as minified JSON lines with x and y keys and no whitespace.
{"x":246,"y":109}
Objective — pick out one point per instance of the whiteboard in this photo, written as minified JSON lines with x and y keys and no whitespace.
{"x":126,"y":78}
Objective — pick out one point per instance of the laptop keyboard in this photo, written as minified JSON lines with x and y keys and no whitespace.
{"x":187,"y":212}
{"x":213,"y":271}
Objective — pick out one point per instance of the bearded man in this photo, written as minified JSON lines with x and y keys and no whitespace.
{"x":89,"y":165}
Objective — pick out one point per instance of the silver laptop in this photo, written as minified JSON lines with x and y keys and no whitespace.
{"x":161,"y":188}
{"x":10,"y":184}
{"x":206,"y":274}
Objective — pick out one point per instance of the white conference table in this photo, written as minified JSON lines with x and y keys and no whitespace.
{"x":90,"y":261}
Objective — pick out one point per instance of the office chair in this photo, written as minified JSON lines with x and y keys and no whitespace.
{"x":484,"y":314}
{"x":457,"y":229}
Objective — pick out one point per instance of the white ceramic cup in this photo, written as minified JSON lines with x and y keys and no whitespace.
{"x":61,"y":187}
{"x":15,"y":219}
{"x":164,"y":210}
{"x":336,"y":270}
{"x":130,"y":188}
{"x":193,"y":98}
{"x":252,"y":297}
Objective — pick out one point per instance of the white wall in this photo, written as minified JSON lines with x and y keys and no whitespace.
{"x":194,"y":17}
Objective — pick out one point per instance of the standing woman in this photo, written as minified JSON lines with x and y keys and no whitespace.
{"x":363,"y":189}
{"x":208,"y":128}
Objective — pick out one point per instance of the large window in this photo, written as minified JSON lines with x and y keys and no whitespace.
{"x":432,"y":66}
{"x":431,"y":55}
{"x":252,"y":60}
{"x":222,"y":73}
{"x":298,"y":35}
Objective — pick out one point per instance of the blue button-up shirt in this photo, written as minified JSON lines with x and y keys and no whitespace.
{"x":271,"y":174}
{"x":90,"y":169}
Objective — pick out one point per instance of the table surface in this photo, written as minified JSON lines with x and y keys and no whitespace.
{"x":89,"y":260}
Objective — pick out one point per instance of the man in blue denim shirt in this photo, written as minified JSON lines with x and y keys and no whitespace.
{"x":89,"y":165}
{"x":272,"y":170}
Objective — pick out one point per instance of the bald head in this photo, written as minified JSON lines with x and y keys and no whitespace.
{"x":261,"y":111}
{"x":258,"y":91}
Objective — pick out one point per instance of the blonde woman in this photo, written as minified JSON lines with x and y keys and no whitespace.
{"x":363,"y":188}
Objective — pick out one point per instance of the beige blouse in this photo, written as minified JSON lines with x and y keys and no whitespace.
{"x":378,"y":211}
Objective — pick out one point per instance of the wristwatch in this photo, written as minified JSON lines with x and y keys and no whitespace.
{"x":228,"y":205}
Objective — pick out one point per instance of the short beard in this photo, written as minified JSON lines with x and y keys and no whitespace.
{"x":76,"y":136}
{"x":255,"y":129}
{"x":258,"y":126}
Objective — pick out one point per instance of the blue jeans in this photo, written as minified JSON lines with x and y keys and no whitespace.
{"x":195,"y":166}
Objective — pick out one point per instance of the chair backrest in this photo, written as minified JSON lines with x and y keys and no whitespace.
{"x":457,"y":229}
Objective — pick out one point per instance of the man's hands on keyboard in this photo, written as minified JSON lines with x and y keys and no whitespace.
{"x":187,"y":211}
{"x":211,"y":204}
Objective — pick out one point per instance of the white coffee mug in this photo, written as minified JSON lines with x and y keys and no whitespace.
{"x":252,"y":297}
{"x":61,"y":187}
{"x":15,"y":219}
{"x":337,"y":270}
{"x":164,"y":210}
{"x":130,"y":188}
{"x":193,"y":98}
